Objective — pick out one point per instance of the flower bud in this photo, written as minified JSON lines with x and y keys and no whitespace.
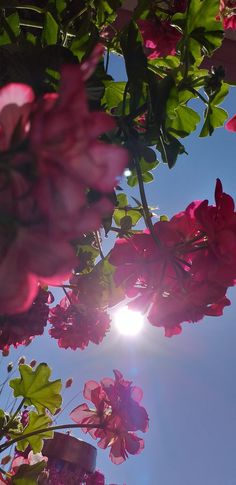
{"x":69,"y":382}
{"x":5,"y":460}
{"x":33,"y":363}
{"x":10,"y":367}
{"x":58,"y":410}
{"x":22,"y":360}
{"x":5,"y":352}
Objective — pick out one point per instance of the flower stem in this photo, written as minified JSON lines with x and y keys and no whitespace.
{"x":9,"y":443}
{"x":6,"y":428}
{"x":97,"y":238}
{"x":147,"y":216}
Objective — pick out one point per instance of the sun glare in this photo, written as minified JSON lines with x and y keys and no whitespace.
{"x":128,"y":322}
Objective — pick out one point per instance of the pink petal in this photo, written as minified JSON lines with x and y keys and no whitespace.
{"x":231,"y":124}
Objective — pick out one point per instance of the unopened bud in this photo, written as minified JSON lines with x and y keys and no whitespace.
{"x":5,"y":460}
{"x":69,"y":382}
{"x":58,"y":410}
{"x":10,"y":367}
{"x":21,"y":360}
{"x":5,"y":352}
{"x":33,"y":363}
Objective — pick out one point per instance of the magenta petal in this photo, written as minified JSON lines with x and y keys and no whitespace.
{"x":231,"y":124}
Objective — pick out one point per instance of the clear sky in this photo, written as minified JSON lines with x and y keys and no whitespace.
{"x":189,"y":381}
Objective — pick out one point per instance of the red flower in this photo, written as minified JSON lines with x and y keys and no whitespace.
{"x":16,"y":104}
{"x":187,"y":304}
{"x":118,"y":413}
{"x":64,"y":138}
{"x":75,"y":325}
{"x":231,"y":124}
{"x":228,"y":13}
{"x":95,"y":478}
{"x":183,"y":274}
{"x":160,"y":38}
{"x":44,"y":184}
{"x":21,"y":328}
{"x":219,"y":226}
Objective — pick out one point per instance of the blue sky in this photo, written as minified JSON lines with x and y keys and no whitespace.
{"x":188,"y":380}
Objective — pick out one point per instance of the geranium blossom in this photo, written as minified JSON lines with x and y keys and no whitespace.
{"x":74,"y":325}
{"x":183,"y":274}
{"x":19,"y":329}
{"x":116,"y":416}
{"x":231,"y":124}
{"x":228,"y":13}
{"x":44,"y":184}
{"x":159,"y":37}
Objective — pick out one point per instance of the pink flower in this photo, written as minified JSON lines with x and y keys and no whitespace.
{"x":228,"y":13}
{"x":75,"y":325}
{"x":231,"y":124}
{"x":21,"y":328}
{"x":160,"y":38}
{"x":44,"y":184}
{"x":16,"y":104}
{"x":64,"y":138}
{"x":183,"y":274}
{"x":187,"y":304}
{"x":117,"y":414}
{"x":95,"y":478}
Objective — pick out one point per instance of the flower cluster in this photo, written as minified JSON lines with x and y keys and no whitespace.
{"x":50,"y":157}
{"x":116,"y":417}
{"x":74,"y":324}
{"x":159,"y":38}
{"x":19,"y":329}
{"x":183,"y":272}
{"x":228,"y":13}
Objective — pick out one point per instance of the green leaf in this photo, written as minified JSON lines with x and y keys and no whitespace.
{"x":36,"y":423}
{"x":28,"y":474}
{"x":184,"y":122}
{"x":87,"y":255}
{"x":3,"y":420}
{"x":199,"y":23}
{"x":214,"y":118}
{"x":170,"y":148}
{"x":86,"y":38}
{"x":50,"y":30}
{"x":106,"y":11}
{"x":162,"y":64}
{"x":114,"y":93}
{"x":60,"y":5}
{"x":9,"y":29}
{"x":135,"y":59}
{"x":37,"y":390}
{"x":122,"y":200}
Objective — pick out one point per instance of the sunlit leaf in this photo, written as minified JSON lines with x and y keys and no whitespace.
{"x":114,"y":93}
{"x":170,"y":148}
{"x":106,"y":11}
{"x":50,"y":30}
{"x":34,"y":386}
{"x":36,"y":423}
{"x":10,"y":29}
{"x":215,"y":117}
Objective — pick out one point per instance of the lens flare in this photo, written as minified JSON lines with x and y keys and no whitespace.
{"x":128,"y":322}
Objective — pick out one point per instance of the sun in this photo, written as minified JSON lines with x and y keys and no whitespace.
{"x":128,"y":322}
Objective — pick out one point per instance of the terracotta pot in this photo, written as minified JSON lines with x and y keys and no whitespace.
{"x":69,"y":459}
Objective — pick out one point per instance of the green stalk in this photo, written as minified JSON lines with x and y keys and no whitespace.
{"x":46,"y":430}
